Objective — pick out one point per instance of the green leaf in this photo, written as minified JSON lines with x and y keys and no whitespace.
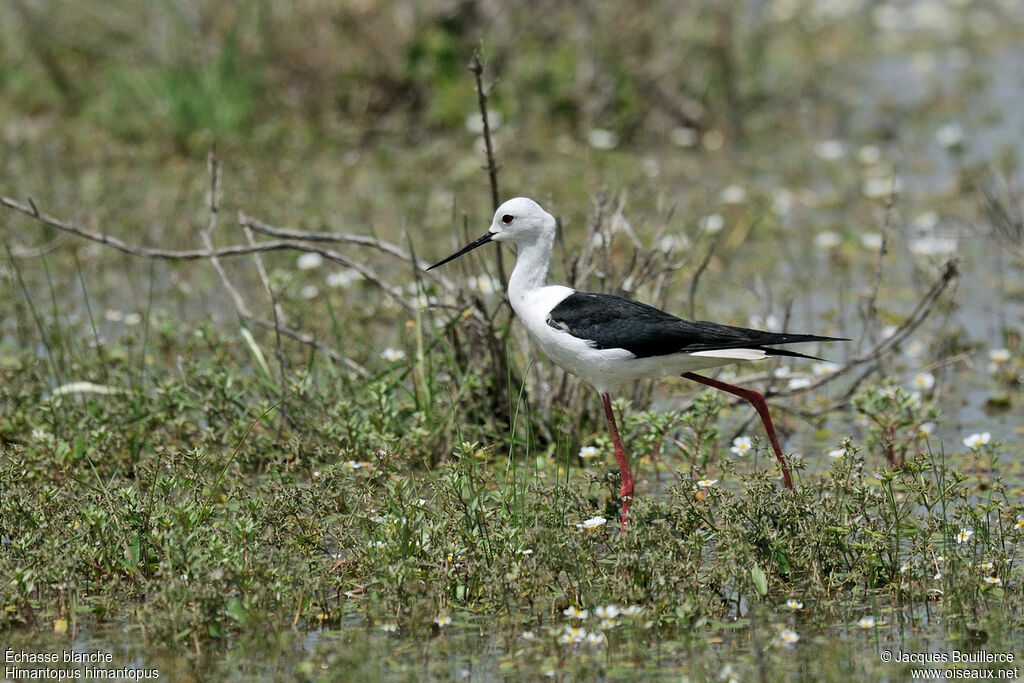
{"x":760,"y":580}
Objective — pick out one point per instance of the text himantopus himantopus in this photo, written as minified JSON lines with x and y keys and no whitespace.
{"x":608,"y":340}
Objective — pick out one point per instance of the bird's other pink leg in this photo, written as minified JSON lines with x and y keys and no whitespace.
{"x":756,"y":399}
{"x":626,"y":492}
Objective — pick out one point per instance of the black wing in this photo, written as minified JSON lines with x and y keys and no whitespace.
{"x":612,"y":322}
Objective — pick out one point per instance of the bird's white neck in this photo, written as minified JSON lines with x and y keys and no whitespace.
{"x":532,"y":260}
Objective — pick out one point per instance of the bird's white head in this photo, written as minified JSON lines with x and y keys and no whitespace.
{"x":519,"y":221}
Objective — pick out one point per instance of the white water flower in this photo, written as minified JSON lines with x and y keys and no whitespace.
{"x":828,"y":239}
{"x":976,"y":441}
{"x":830,"y":150}
{"x":392,"y":355}
{"x":742,"y":445}
{"x":872,"y":240}
{"x":600,"y":138}
{"x":711,"y":223}
{"x":574,"y":612}
{"x":589,"y":452}
{"x":309,"y":260}
{"x":705,"y":483}
{"x":733,"y":194}
{"x":924,"y":381}
{"x":592,"y":523}
{"x":866,"y":622}
{"x":837,"y":453}
{"x":607,"y":612}
{"x":964,"y":535}
{"x":794,"y":604}
{"x":342,"y":278}
{"x":788,"y":636}
{"x":824,"y":368}
{"x":950,"y":135}
{"x":869,"y":155}
{"x":799,"y":383}
{"x":999,"y":355}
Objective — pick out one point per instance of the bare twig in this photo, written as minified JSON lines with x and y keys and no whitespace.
{"x":212,"y":252}
{"x":477,"y":67}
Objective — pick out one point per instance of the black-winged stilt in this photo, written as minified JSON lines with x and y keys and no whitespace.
{"x":608,"y":340}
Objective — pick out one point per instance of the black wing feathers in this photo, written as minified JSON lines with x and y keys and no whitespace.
{"x":612,"y":322}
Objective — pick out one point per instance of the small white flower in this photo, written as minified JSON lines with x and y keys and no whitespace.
{"x":964,"y":535}
{"x":932,"y":245}
{"x":572,"y":635}
{"x":742,"y":445}
{"x":442,"y":620}
{"x":938,"y":576}
{"x":794,"y":604}
{"x":607,"y":612}
{"x":592,"y":523}
{"x":872,"y":240}
{"x":798,"y":383}
{"x":684,"y":137}
{"x":475,"y":122}
{"x":923,"y":381}
{"x":595,"y":638}
{"x":728,"y":675}
{"x":733,"y":194}
{"x":712,"y":223}
{"x":599,"y":138}
{"x":353,"y":464}
{"x":837,"y":453}
{"x":869,"y":155}
{"x":788,"y":636}
{"x":823,"y":368}
{"x":574,"y":612}
{"x":987,"y":566}
{"x":976,"y":441}
{"x":705,"y":483}
{"x":905,"y":567}
{"x":950,"y":135}
{"x":389,"y":627}
{"x":309,"y":292}
{"x":866,"y":622}
{"x":880,"y":188}
{"x":993,"y":580}
{"x":528,"y":635}
{"x":830,"y":150}
{"x":484,"y":284}
{"x":926,"y":221}
{"x":631,"y":610}
{"x":999,"y":355}
{"x":926,"y":429}
{"x":526,"y":551}
{"x":40,"y":434}
{"x":828,"y":239}
{"x":342,"y":278}
{"x":132,"y":319}
{"x":309,"y":260}
{"x":392,"y":355}
{"x":607,"y":624}
{"x":589,"y":452}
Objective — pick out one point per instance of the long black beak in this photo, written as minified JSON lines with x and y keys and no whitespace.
{"x":469,"y":247}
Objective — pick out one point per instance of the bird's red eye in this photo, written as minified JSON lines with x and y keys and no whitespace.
{"x":507,"y":218}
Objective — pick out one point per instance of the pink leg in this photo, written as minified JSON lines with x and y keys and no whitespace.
{"x":757,"y":400}
{"x":626,"y":492}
